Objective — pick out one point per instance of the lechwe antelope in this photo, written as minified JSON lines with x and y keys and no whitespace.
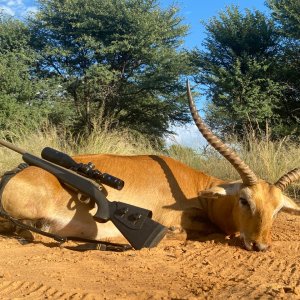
{"x":176,"y":194}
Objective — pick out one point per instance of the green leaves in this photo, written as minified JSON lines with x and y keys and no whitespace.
{"x":13,"y":34}
{"x":77,"y":62}
{"x":235,"y":33}
{"x":243,"y":70}
{"x":27,"y":101}
{"x":120,"y":57}
{"x":286,"y":13}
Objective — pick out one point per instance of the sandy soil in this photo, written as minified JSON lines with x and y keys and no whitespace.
{"x":211,"y":268}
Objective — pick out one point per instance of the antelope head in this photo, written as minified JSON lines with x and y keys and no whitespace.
{"x":255,"y":201}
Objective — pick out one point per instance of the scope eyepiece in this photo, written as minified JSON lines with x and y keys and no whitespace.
{"x":87,"y":170}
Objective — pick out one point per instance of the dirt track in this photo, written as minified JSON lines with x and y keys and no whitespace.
{"x":215,"y":269}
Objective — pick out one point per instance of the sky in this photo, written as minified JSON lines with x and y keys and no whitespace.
{"x":193,"y":13}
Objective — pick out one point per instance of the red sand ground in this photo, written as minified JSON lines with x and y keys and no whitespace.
{"x":215,"y":268}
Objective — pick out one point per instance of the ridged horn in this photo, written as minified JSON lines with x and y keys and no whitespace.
{"x":247,"y":175}
{"x":284,"y":181}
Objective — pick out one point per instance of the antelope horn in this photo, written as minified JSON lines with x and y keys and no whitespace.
{"x":287,"y":179}
{"x":247,"y":175}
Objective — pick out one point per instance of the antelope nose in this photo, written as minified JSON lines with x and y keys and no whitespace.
{"x":260,"y":246}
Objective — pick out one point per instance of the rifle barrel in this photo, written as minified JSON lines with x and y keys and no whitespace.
{"x":12,"y":147}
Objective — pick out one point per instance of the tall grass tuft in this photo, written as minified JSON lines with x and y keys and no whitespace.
{"x":268,"y":159}
{"x":32,"y":142}
{"x":104,"y":140}
{"x":100,"y":140}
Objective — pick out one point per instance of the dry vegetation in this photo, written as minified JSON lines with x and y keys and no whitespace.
{"x":215,"y":268}
{"x":268,"y":159}
{"x":99,"y":141}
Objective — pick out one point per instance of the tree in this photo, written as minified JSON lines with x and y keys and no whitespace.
{"x":286,"y":14}
{"x":16,"y":88}
{"x":26,"y":102}
{"x":14,"y":34}
{"x":239,"y":67}
{"x":120,"y":57}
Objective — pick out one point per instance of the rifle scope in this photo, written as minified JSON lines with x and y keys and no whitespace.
{"x":87,"y":170}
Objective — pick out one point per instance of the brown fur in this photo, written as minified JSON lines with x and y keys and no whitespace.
{"x":176,"y":194}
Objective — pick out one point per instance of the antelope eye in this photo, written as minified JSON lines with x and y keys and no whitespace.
{"x":244,"y":202}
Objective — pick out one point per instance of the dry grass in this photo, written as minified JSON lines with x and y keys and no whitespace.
{"x":269,"y":160}
{"x":101,"y":140}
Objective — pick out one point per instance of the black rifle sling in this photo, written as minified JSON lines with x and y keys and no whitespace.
{"x":4,"y":180}
{"x":134,"y":223}
{"x":104,"y":246}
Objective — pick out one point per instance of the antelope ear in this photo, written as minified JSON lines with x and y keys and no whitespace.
{"x":290,"y":206}
{"x":226,"y":189}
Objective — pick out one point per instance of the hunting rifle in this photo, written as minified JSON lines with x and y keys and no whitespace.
{"x":133,"y":222}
